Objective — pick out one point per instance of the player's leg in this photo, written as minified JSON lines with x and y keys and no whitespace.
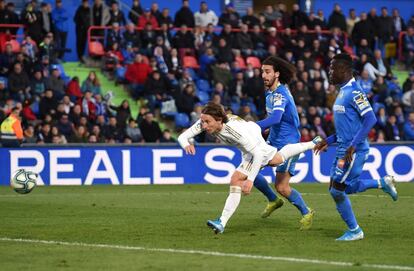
{"x":283,"y":174}
{"x":291,"y":150}
{"x":387,"y":183}
{"x":241,"y":181}
{"x":273,"y":201}
{"x":343,"y":174}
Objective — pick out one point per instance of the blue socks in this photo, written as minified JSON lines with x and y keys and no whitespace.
{"x":261,"y":184}
{"x":296,"y":199}
{"x":344,"y":207}
{"x":361,"y":186}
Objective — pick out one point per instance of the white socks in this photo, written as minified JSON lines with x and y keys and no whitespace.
{"x":231,"y":204}
{"x":291,"y":150}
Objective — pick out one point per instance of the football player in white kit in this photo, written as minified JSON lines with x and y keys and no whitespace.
{"x":256,"y":153}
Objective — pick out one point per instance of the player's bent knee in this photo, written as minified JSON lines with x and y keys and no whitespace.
{"x":283,"y":189}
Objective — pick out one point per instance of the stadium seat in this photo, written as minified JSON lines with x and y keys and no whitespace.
{"x":96,"y":49}
{"x":235,"y":107}
{"x":203,"y":96}
{"x":190,"y":62}
{"x":192,"y":73}
{"x":182,"y":52}
{"x":241,"y":62}
{"x":182,"y":120}
{"x":254,"y":61}
{"x":203,"y":85}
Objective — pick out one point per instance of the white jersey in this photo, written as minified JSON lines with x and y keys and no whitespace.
{"x":245,"y":135}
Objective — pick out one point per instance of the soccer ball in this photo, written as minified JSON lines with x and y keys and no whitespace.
{"x":23,"y":181}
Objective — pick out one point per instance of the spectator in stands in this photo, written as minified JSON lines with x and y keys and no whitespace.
{"x":167,"y":137}
{"x":146,"y":18}
{"x":411,"y":21}
{"x":29,"y":135}
{"x":13,"y":17}
{"x":132,"y":131}
{"x":337,"y":18}
{"x":135,"y":12}
{"x":243,"y":41}
{"x":186,"y":100}
{"x":111,"y":131}
{"x":48,"y":24}
{"x":91,"y":83}
{"x":385,"y":29}
{"x":60,"y":20}
{"x":7,"y":59}
{"x":298,"y":17}
{"x":165,"y":18}
{"x":183,"y":38}
{"x":116,"y":15}
{"x":47,"y":48}
{"x":224,"y":52}
{"x":73,"y":89}
{"x":351,"y":21}
{"x":165,"y":34}
{"x":19,"y":83}
{"x":37,"y":83}
{"x":88,"y":106}
{"x":407,"y":85}
{"x":380,"y":66}
{"x":123,"y":114}
{"x":205,"y":16}
{"x":56,"y":83}
{"x":381,"y":118}
{"x":318,"y":94}
{"x":155,"y":89}
{"x":393,"y":131}
{"x":82,"y":21}
{"x":408,"y":48}
{"x":364,"y":29}
{"x":184,"y":16}
{"x":148,"y":37}
{"x":32,"y":19}
{"x":380,"y":89}
{"x":365,"y":82}
{"x":409,"y":127}
{"x":47,"y":104}
{"x":399,"y":24}
{"x":4,"y":92}
{"x":150,"y":129}
{"x":250,"y":19}
{"x":229,"y":16}
{"x":65,"y":126}
{"x":408,"y":99}
{"x":44,"y":134}
{"x":100,"y":16}
{"x":80,"y":135}
{"x":136,"y":74}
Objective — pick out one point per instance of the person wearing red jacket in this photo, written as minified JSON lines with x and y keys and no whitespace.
{"x":147,"y":17}
{"x":136,"y":74}
{"x":73,"y":89}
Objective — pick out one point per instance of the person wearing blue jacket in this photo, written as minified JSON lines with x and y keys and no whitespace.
{"x":60,"y":18}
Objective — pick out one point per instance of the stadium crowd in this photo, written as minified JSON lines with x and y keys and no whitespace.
{"x":178,"y":63}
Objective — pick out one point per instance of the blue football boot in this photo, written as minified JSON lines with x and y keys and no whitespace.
{"x":388,"y":186}
{"x":352,"y":235}
{"x":216,"y":225}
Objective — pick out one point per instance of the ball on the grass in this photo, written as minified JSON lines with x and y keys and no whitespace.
{"x":23,"y":181}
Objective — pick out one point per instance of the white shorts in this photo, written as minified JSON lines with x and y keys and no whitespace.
{"x":252,"y":162}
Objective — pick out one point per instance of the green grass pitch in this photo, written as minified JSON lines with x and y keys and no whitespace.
{"x":139,"y":223}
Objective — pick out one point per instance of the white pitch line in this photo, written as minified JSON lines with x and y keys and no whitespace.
{"x":209,"y":253}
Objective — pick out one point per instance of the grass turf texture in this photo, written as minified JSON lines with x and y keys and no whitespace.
{"x":175,"y":216}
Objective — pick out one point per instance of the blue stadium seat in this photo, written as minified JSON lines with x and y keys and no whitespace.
{"x":203,"y":96}
{"x":192,"y":73}
{"x":253,"y":107}
{"x":203,"y":85}
{"x":235,"y":107}
{"x":182,"y":120}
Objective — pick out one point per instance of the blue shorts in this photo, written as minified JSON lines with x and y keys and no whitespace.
{"x":288,"y":165}
{"x":348,"y":173}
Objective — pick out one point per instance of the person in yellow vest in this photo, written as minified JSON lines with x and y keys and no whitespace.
{"x":11,"y":132}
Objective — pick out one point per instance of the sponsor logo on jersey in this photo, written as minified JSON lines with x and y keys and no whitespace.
{"x":339,"y":108}
{"x":360,"y":100}
{"x":277,"y":99}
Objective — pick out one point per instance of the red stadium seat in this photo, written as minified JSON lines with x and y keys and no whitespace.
{"x":241,"y":62}
{"x":254,"y":61}
{"x":190,"y":62}
{"x":96,"y":49}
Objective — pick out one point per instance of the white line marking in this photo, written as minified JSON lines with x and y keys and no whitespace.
{"x":209,"y":253}
{"x":177,"y":192}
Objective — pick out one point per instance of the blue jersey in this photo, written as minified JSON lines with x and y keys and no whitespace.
{"x":287,"y":130}
{"x":350,"y":105}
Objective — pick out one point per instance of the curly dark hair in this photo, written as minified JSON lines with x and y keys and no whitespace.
{"x":286,"y":70}
{"x":216,"y":111}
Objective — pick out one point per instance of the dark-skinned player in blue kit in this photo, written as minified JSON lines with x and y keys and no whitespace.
{"x":353,"y":119}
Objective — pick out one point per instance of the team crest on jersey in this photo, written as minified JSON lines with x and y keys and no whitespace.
{"x":360,"y":100}
{"x":339,"y":108}
{"x":277,"y":99}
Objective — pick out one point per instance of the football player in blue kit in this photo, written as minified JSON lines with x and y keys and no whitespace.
{"x":354,"y":118}
{"x":283,"y":122}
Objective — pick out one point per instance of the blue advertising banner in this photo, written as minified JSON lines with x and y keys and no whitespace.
{"x":143,"y":165}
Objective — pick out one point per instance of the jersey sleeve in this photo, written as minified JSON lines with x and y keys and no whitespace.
{"x":194,"y":130}
{"x":279,"y":102}
{"x":359,"y":101}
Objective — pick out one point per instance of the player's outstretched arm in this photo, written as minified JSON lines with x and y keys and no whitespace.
{"x":186,"y":139}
